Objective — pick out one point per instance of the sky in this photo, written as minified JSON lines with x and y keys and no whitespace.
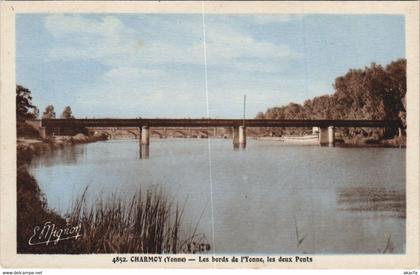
{"x":157,"y":65}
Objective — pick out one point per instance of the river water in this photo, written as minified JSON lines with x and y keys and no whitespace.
{"x":265,"y":199}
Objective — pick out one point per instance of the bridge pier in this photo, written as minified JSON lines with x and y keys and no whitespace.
{"x":326,"y":136}
{"x":242,"y":136}
{"x":235,"y":137}
{"x":239,"y":137}
{"x":331,"y":136}
{"x":145,"y":135}
{"x":144,"y":142}
{"x":42,"y":132}
{"x":144,"y":151}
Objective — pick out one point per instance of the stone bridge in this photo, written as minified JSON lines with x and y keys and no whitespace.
{"x":144,"y":128}
{"x":161,"y":132}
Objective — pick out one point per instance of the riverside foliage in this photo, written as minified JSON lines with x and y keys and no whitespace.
{"x":148,"y":222}
{"x":372,"y":93}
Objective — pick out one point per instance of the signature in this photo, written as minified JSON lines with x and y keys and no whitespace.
{"x":50,"y":233}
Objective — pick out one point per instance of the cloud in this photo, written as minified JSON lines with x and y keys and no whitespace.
{"x":60,"y":25}
{"x":105,"y":39}
{"x":109,"y":41}
{"x":128,"y":74}
{"x":227,"y":45}
{"x":150,"y":64}
{"x":153,"y":64}
{"x":143,"y":92}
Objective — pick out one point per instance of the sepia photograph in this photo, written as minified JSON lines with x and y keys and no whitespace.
{"x":212,"y":136}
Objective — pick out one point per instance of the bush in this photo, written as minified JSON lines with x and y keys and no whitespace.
{"x":24,"y":130}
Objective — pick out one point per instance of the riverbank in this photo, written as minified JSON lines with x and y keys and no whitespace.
{"x":32,"y":207}
{"x":27,"y":148}
{"x":148,"y":222}
{"x":396,"y":142}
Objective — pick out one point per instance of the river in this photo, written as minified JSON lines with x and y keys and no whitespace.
{"x":270,"y":198}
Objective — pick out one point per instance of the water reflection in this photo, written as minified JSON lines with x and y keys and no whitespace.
{"x":144,"y":151}
{"x":270,"y":198}
{"x":372,"y":199}
{"x":65,"y":155}
{"x":238,"y":147}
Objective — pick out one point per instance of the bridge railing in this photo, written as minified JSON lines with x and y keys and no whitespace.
{"x":159,"y":122}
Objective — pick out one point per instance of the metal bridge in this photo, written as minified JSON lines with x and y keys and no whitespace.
{"x":208,"y":122}
{"x":326,"y":134}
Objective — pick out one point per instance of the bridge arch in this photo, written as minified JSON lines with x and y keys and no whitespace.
{"x":179,"y":134}
{"x":124,"y":134}
{"x":156,"y":134}
{"x":203,"y":134}
{"x":135,"y":134}
{"x":200,"y":134}
{"x":108,"y":135}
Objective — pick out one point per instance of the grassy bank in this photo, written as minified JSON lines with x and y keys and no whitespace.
{"x":32,"y":208}
{"x":148,"y":222}
{"x":397,"y":142}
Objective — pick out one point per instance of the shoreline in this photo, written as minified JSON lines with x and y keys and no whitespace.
{"x":146,"y":227}
{"x":356,"y":142}
{"x":32,"y":204}
{"x":27,"y":148}
{"x":304,"y":141}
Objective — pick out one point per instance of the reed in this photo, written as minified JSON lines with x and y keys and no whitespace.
{"x":299,"y":238}
{"x":146,"y":223}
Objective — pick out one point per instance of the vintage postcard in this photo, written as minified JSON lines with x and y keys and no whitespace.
{"x":210,"y":134}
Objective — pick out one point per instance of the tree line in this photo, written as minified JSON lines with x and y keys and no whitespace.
{"x":26,"y":110}
{"x":371,"y":93}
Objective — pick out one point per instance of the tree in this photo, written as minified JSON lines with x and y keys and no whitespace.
{"x":372,"y":93}
{"x":260,"y":115}
{"x":397,"y":88}
{"x":36,"y":113}
{"x":24,"y":104}
{"x":49,"y":112}
{"x":67,"y":113}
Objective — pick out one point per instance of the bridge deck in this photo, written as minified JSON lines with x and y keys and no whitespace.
{"x":170,"y":122}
